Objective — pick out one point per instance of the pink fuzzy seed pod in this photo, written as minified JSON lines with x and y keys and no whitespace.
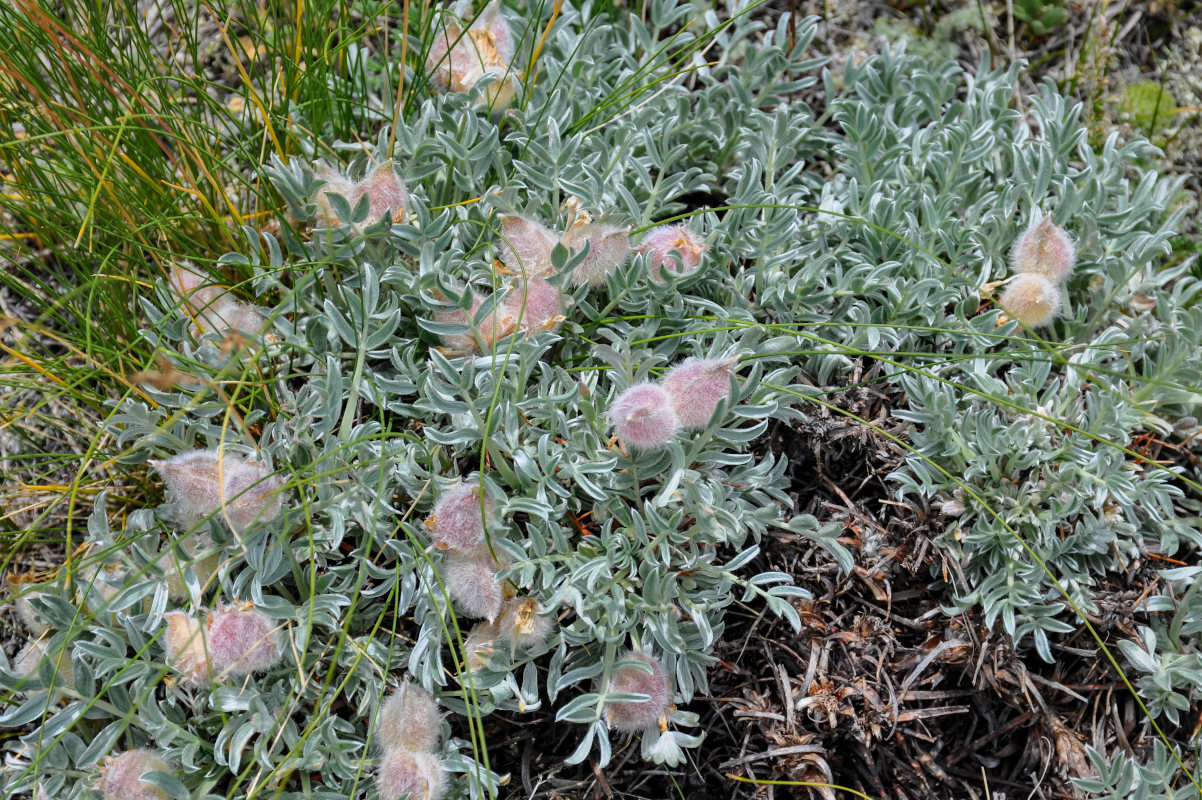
{"x":526,"y":246}
{"x":122,"y":776}
{"x":193,"y":482}
{"x":471,"y":581}
{"x":420,"y":776}
{"x":385,"y":192}
{"x":609,"y":247}
{"x":1032,"y":299}
{"x":667,"y":243}
{"x":639,"y":715}
{"x":409,"y":720}
{"x":459,"y":517}
{"x":241,"y":640}
{"x":335,"y":183}
{"x":696,"y":386}
{"x":251,"y":494}
{"x":1045,"y":249}
{"x":533,"y":306}
{"x":522,"y":624}
{"x":459,"y":344}
{"x":643,"y":417}
{"x":183,"y":643}
{"x":485,"y":49}
{"x":229,"y":313}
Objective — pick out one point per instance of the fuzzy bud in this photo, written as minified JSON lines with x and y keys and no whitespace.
{"x":672,"y":248}
{"x":1045,"y":249}
{"x":522,"y":624}
{"x":643,"y":417}
{"x":609,"y":247}
{"x":241,"y":640}
{"x":457,"y":62}
{"x":696,"y":386}
{"x":185,"y":647}
{"x":638,"y":715}
{"x":459,"y":516}
{"x":526,"y":246}
{"x":211,"y":307}
{"x":251,"y":494}
{"x":1032,"y":299}
{"x":471,"y":581}
{"x":122,"y":778}
{"x":409,"y":720}
{"x":420,"y":776}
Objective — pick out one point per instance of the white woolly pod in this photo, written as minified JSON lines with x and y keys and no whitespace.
{"x":241,"y":640}
{"x":184,"y":645}
{"x":651,"y":680}
{"x":471,"y":581}
{"x":409,"y":720}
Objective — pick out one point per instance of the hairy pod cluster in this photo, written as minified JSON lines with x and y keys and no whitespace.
{"x":471,"y":581}
{"x":639,"y":715}
{"x":1045,"y":249}
{"x":383,"y":188}
{"x":1043,"y":257}
{"x":696,"y":386}
{"x":1032,"y":299}
{"x":647,"y":416}
{"x":204,"y":482}
{"x":673,"y":249}
{"x":121,"y":778}
{"x":459,"y":59}
{"x":212,"y":308}
{"x":408,"y":731}
{"x":409,"y":720}
{"x":459,"y":517}
{"x":644,"y":417}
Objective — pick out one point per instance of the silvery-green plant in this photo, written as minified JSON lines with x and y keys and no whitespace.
{"x":866,"y":229}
